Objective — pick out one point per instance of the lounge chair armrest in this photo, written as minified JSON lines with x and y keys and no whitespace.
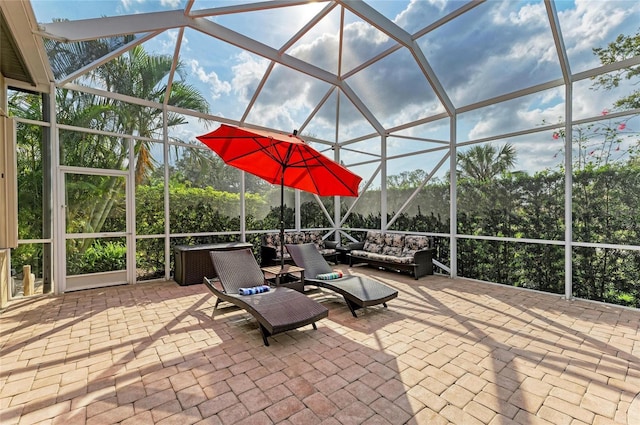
{"x":214,"y":285}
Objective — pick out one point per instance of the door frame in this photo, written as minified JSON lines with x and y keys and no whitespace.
{"x":100,"y":279}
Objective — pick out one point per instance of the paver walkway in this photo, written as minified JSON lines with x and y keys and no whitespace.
{"x":445,"y":351}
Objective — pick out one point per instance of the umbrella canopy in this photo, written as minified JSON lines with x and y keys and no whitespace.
{"x":281,"y":159}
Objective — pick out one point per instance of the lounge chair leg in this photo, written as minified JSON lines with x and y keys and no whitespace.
{"x":385,"y":305}
{"x":215,"y":307}
{"x":314,"y":326}
{"x":263,"y":331}
{"x":351,"y":307}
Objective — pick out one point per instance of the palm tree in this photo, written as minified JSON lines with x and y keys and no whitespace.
{"x":485,"y":162}
{"x":135,"y":73}
{"x":141,"y":75}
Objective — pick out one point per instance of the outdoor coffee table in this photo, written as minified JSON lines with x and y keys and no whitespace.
{"x":280,"y":273}
{"x":342,"y":254}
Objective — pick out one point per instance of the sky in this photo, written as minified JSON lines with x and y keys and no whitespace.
{"x":496,"y":48}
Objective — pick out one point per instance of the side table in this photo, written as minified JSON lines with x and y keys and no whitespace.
{"x":280,"y":272}
{"x":342,"y":254}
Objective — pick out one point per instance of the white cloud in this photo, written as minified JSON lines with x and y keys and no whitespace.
{"x":217,"y":86}
{"x":170,"y":3}
{"x":321,"y":52}
{"x":168,"y":43}
{"x":247,"y":73}
{"x":497,"y":48}
{"x":421,"y":12}
{"x":594,"y":24}
{"x":519,"y":114}
{"x":128,"y":4}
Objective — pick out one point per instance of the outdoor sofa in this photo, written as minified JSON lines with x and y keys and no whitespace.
{"x":270,"y":246}
{"x":277,"y":310}
{"x":357,"y":291}
{"x":394,"y":251}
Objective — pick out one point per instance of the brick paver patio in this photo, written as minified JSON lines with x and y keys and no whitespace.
{"x":445,"y":351}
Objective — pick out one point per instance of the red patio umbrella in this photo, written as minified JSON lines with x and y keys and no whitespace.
{"x":281,"y":159}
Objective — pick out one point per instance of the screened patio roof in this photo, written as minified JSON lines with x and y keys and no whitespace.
{"x":344,"y":71}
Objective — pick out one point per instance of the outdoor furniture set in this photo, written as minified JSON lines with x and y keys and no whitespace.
{"x":395,"y":251}
{"x":278,"y":309}
{"x":270,"y":246}
{"x":287,"y":160}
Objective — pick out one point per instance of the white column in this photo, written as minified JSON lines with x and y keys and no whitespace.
{"x":568,"y":194}
{"x":383,"y":183}
{"x":59,"y":213}
{"x":453,"y":194}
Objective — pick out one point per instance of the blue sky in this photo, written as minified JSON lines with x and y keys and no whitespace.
{"x":496,"y":48}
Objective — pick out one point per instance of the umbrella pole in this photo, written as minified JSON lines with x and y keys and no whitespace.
{"x":282,"y":221}
{"x":284,"y":168}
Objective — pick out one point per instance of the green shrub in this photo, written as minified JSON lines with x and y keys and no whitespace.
{"x":98,"y":257}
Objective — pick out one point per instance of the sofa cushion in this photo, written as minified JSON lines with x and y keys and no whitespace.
{"x":393,"y":239}
{"x":373,"y":247}
{"x":314,"y":238}
{"x":393,"y":244}
{"x":414,"y":243}
{"x":271,"y":240}
{"x":375,"y":237}
{"x":391,"y":259}
{"x":402,"y":260}
{"x":392,"y":250}
{"x":374,"y":242}
{"x":327,"y":251}
{"x":287,"y":256}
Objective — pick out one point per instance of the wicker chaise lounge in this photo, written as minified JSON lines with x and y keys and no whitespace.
{"x":358,"y":292}
{"x":277,"y":310}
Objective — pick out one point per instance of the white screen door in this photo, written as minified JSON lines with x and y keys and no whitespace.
{"x":98,"y":244}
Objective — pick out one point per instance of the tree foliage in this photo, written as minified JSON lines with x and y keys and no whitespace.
{"x":202,"y":168}
{"x":624,"y":47}
{"x":406,"y":179}
{"x":485,"y":162}
{"x":518,"y":206}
